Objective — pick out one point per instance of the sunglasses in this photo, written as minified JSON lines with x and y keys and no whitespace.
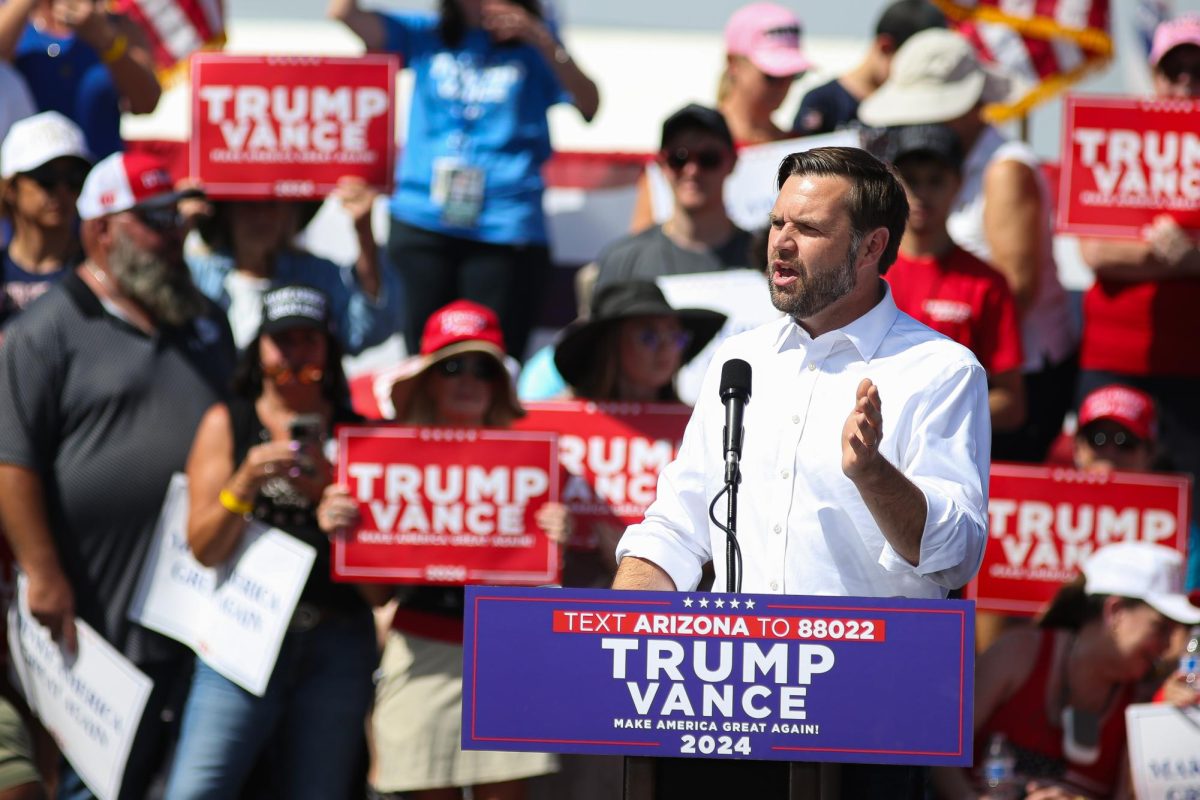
{"x":652,"y":339}
{"x":481,"y":367}
{"x":1119,"y":439}
{"x":283,"y":375}
{"x":50,"y":176}
{"x":680,"y":157}
{"x":160,"y":219}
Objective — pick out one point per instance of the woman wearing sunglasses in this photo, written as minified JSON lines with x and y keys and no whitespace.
{"x":43,"y":160}
{"x":462,"y":378}
{"x":260,"y":457}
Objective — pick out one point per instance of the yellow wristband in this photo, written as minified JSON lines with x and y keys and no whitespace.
{"x":234,"y":504}
{"x":115,"y":50}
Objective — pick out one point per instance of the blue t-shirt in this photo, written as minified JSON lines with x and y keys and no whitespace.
{"x":482,"y":105}
{"x":66,"y":75}
{"x":20,"y":287}
{"x":825,"y":109}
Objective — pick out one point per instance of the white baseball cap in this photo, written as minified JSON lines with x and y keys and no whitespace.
{"x":935,"y":77}
{"x":38,"y":140}
{"x":124,"y":180}
{"x":1144,"y":571}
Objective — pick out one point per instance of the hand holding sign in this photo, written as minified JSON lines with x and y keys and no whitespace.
{"x":1170,"y":243}
{"x":338,"y":512}
{"x":52,"y":603}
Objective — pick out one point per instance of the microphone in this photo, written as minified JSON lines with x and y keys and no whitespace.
{"x":735,"y":393}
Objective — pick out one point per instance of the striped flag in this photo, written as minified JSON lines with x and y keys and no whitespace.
{"x":176,"y":29}
{"x":1046,"y":45}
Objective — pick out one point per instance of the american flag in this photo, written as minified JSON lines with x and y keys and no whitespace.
{"x":176,"y":29}
{"x":1046,"y":45}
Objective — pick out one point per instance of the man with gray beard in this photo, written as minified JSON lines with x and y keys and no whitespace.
{"x":833,"y":501}
{"x":102,"y":383}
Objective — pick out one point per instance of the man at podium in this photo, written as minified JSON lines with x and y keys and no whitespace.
{"x":866,"y":447}
{"x":866,"y":434}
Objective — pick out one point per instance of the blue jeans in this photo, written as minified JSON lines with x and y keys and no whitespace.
{"x":309,"y":723}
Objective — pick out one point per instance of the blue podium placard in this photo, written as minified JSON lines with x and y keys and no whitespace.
{"x":693,"y":674}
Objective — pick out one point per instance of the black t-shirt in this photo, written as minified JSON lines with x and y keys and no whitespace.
{"x":19,"y":287}
{"x":105,"y":414}
{"x":279,"y":505}
{"x":825,"y":109}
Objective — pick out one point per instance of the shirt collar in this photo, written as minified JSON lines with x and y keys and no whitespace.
{"x":866,"y":333}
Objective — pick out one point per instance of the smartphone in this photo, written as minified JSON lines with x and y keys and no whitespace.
{"x":306,"y":429}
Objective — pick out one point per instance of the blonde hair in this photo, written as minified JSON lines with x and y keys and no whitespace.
{"x":420,"y":408}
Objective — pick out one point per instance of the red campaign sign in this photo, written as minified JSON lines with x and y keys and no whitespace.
{"x":448,"y":506}
{"x":1043,"y":522}
{"x":611,"y":454}
{"x":1125,"y":161}
{"x":290,"y":126}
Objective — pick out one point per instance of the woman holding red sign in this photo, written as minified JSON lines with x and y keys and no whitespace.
{"x":467,"y":215}
{"x":461,"y":378}
{"x":260,"y":457}
{"x":1139,"y":318}
{"x":1050,"y":700}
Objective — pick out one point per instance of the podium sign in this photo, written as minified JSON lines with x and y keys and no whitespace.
{"x":701,"y":675}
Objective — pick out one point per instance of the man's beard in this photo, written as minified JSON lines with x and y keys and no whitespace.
{"x":161,"y":287}
{"x":812,"y":293}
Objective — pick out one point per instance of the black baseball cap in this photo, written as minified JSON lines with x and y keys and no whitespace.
{"x":935,"y":142}
{"x":697,"y":117}
{"x":296,"y":306}
{"x":904,"y":18}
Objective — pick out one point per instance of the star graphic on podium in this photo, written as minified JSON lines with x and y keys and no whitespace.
{"x":719,"y":603}
{"x":750,"y":604}
{"x":704,"y":602}
{"x":734,"y":603}
{"x":687,"y":601}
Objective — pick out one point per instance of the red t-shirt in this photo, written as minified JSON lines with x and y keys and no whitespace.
{"x":965,"y":299}
{"x":1145,"y":328}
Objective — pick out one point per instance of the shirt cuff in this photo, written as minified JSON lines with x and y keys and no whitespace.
{"x":679,"y":563}
{"x":938,"y":551}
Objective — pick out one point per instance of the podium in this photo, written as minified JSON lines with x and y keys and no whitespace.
{"x":707,"y":686}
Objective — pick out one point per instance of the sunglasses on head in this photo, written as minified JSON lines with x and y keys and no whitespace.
{"x":50,"y":176}
{"x":652,"y":339}
{"x":284,"y":375}
{"x":680,"y":157}
{"x":1100,"y":437}
{"x":481,"y":367}
{"x":160,"y":219}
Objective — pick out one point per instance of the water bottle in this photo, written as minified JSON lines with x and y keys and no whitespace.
{"x":1000,"y":770}
{"x":1189,"y":662}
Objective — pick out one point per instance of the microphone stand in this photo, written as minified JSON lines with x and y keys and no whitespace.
{"x":733,"y":477}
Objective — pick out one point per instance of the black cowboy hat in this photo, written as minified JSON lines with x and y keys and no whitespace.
{"x":576,"y":350}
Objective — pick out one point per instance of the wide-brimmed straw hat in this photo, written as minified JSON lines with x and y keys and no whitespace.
{"x":575,"y":352}
{"x":456,"y":329}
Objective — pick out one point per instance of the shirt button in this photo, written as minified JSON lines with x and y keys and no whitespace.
{"x":812,"y":366}
{"x":779,"y":529}
{"x":784,"y":474}
{"x":774,"y":586}
{"x":795,"y":419}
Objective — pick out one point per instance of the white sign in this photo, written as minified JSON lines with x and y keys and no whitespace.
{"x":1164,"y":750}
{"x":740,"y":294}
{"x":235,"y":616}
{"x":91,"y":702}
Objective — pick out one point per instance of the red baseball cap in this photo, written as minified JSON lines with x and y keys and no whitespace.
{"x":124,"y":180}
{"x":461,"y":321}
{"x":1130,"y":408}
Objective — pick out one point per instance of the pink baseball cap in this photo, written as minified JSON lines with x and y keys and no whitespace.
{"x":124,"y":180}
{"x":1173,"y":33}
{"x":768,"y":35}
{"x":1130,"y":408}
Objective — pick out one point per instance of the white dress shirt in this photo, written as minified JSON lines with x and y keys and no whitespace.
{"x":802,"y":525}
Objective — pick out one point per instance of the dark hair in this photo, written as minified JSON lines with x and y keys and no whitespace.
{"x":905,"y":18}
{"x":247,"y":378}
{"x":452,"y":27}
{"x":217,"y":232}
{"x":876,"y":198}
{"x":1072,"y":607}
{"x":601,"y":382}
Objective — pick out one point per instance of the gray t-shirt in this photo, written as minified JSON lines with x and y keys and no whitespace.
{"x":651,"y":253}
{"x":105,"y":413}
